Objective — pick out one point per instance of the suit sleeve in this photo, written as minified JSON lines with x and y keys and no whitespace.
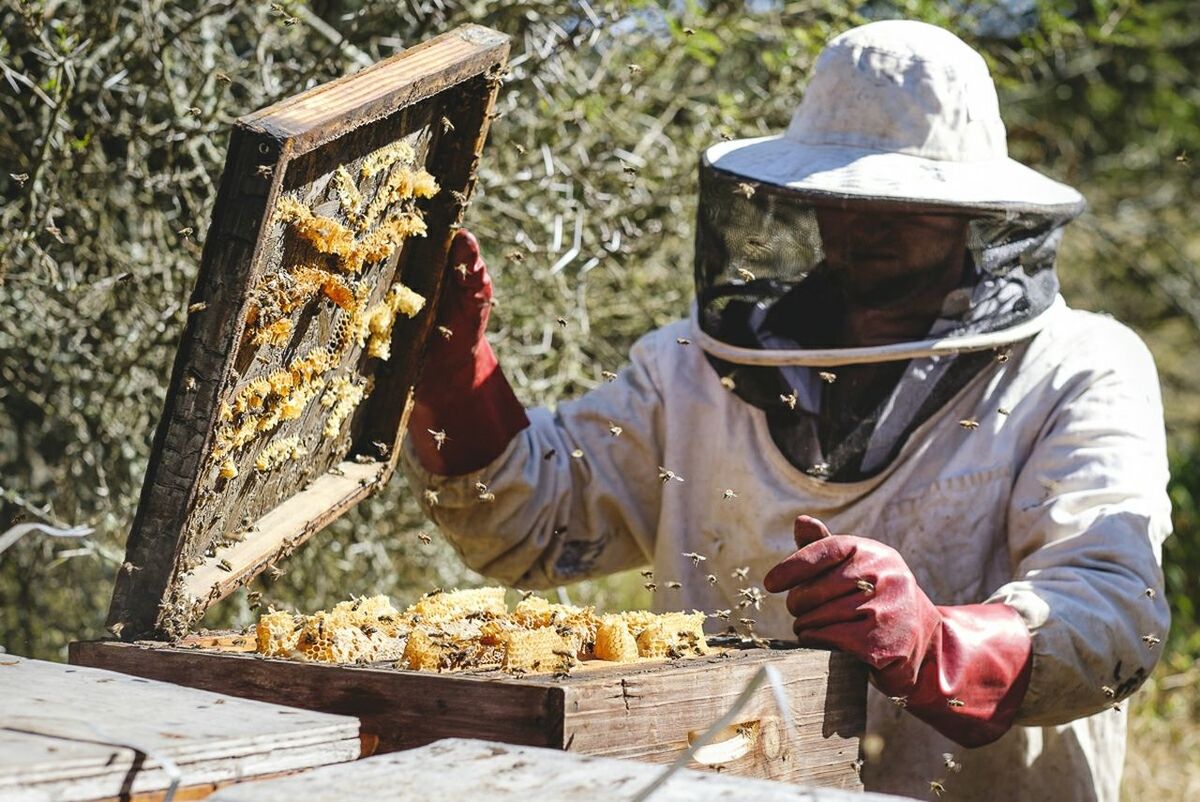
{"x":576,"y":493}
{"x":1087,"y":518}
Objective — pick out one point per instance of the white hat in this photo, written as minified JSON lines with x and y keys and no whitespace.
{"x":897,"y":110}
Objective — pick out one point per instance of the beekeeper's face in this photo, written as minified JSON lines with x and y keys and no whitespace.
{"x":883,"y":259}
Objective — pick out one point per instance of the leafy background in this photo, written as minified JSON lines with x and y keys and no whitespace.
{"x":117,"y":115}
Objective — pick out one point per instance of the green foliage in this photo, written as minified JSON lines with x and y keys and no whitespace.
{"x":117,"y":117}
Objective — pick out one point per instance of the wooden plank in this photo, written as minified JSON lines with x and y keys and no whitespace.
{"x":470,"y":769}
{"x":645,"y":711}
{"x":330,"y":151}
{"x":71,"y":733}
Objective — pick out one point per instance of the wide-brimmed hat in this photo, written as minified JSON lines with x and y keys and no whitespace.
{"x":898,"y":110}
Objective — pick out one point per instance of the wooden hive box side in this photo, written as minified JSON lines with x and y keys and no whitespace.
{"x":285,"y":407}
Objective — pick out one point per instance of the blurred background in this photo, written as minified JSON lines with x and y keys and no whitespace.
{"x":116,"y":117}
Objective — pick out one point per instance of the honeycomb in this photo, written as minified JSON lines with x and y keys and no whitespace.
{"x":475,"y":630}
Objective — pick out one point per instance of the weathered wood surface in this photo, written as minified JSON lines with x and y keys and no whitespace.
{"x":645,"y":711}
{"x":187,"y":545}
{"x":73,"y":733}
{"x":459,"y":769}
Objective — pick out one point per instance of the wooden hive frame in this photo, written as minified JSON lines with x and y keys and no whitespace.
{"x":208,"y":520}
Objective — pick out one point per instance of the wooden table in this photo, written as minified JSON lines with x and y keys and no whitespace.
{"x":71,"y":733}
{"x":460,"y":769}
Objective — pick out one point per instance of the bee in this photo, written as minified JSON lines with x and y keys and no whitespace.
{"x":750,"y":597}
{"x":225,"y":566}
{"x":744,"y":274}
{"x":462,"y":269}
{"x":820,"y":470}
{"x":726,"y":136}
{"x":223,"y":78}
{"x":745,"y":189}
{"x":665,"y":475}
{"x":129,"y":567}
{"x":515,"y":256}
{"x":549,"y":455}
{"x":459,"y":197}
{"x":264,"y":170}
{"x":740,"y":573}
{"x":382,"y":448}
{"x":722,"y":614}
{"x":790,"y":399}
{"x":695,"y":557}
{"x":195,"y":111}
{"x":431,"y":497}
{"x":1109,"y":692}
{"x":628,"y":169}
{"x":827,"y":376}
{"x":1151,"y":593}
{"x":520,"y":149}
{"x":955,"y":702}
{"x":1183,"y":158}
{"x":689,"y":31}
{"x":447,"y":126}
{"x":20,"y":178}
{"x":525,"y":594}
{"x":748,"y":623}
{"x":1151,"y":640}
{"x":55,"y":232}
{"x":937,"y":788}
{"x":485,"y":494}
{"x":711,"y":579}
{"x":424,"y":538}
{"x":865,"y":586}
{"x":950,"y":763}
{"x":857,"y":765}
{"x":969,"y":424}
{"x":899,"y":701}
{"x":683,"y":341}
{"x":608,"y":375}
{"x":562,"y":322}
{"x":445,"y":331}
{"x":634,"y":69}
{"x":1002,"y":411}
{"x":614,"y":429}
{"x":439,"y":437}
{"x":727,"y":494}
{"x":650,"y":586}
{"x":116,"y":628}
{"x":577,"y":453}
{"x":275,"y":571}
{"x":186,"y":232}
{"x":648,"y":574}
{"x":673,"y":585}
{"x":1003,"y":355}
{"x":728,"y":383}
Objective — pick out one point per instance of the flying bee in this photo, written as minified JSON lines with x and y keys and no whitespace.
{"x":695,"y":557}
{"x":439,"y":437}
{"x":969,"y":424}
{"x":445,"y":331}
{"x":648,"y":574}
{"x":382,"y":448}
{"x":745,"y":189}
{"x":728,"y":494}
{"x":650,"y":586}
{"x":55,"y":232}
{"x":1151,"y":593}
{"x":447,"y":126}
{"x":1003,"y":355}
{"x":634,"y":69}
{"x":129,"y":567}
{"x":865,"y":586}
{"x":562,"y":322}
{"x":519,"y":148}
{"x":431,"y":497}
{"x":683,"y":341}
{"x":950,"y":763}
{"x":955,"y":702}
{"x":608,"y":375}
{"x":673,"y":585}
{"x":275,"y":571}
{"x":790,"y":399}
{"x":225,"y":566}
{"x":515,"y":256}
{"x":1151,"y":640}
{"x":751,"y":597}
{"x":711,"y":579}
{"x":525,"y":594}
{"x":186,"y":232}
{"x":728,"y":383}
{"x":740,"y":573}
{"x":689,"y":31}
{"x":744,"y":274}
{"x":628,"y":169}
{"x":937,"y":788}
{"x":1002,"y":411}
{"x":726,"y":136}
{"x":223,"y":78}
{"x":614,"y":429}
{"x":665,"y":475}
{"x":264,"y":170}
{"x":549,"y":455}
{"x":899,"y":701}
{"x":748,"y":623}
{"x":1109,"y":692}
{"x":424,"y":538}
{"x":20,"y":178}
{"x":462,"y":269}
{"x":722,"y":614}
{"x":195,"y":111}
{"x":821,"y":470}
{"x":827,"y":376}
{"x":1183,"y":158}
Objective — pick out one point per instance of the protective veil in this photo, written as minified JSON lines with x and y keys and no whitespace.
{"x":767,"y":299}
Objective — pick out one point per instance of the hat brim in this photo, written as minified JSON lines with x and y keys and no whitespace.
{"x":847,"y":172}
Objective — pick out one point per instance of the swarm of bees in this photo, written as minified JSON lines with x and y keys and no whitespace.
{"x":475,"y":629}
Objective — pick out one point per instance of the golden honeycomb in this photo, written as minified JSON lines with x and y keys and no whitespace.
{"x":474,"y":629}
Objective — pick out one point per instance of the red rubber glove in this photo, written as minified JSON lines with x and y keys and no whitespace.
{"x":462,"y":393}
{"x":963,"y":670}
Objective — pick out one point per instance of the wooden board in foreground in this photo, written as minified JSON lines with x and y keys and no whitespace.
{"x":458,"y":769}
{"x":641,"y":711}
{"x":72,"y":733}
{"x":317,"y":290}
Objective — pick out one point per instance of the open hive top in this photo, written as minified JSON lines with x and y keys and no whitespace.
{"x":316,"y":293}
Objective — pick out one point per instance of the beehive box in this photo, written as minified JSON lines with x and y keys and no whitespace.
{"x":282,"y":413}
{"x":79,"y":734}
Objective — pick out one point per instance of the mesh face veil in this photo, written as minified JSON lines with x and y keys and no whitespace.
{"x":776,"y":268}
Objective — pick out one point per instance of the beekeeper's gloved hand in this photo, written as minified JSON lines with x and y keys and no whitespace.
{"x":462,"y":394}
{"x":963,"y":670}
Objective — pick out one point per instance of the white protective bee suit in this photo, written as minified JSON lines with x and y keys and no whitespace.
{"x":1038,"y":482}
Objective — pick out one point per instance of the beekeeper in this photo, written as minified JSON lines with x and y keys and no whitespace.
{"x":878,"y":350}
